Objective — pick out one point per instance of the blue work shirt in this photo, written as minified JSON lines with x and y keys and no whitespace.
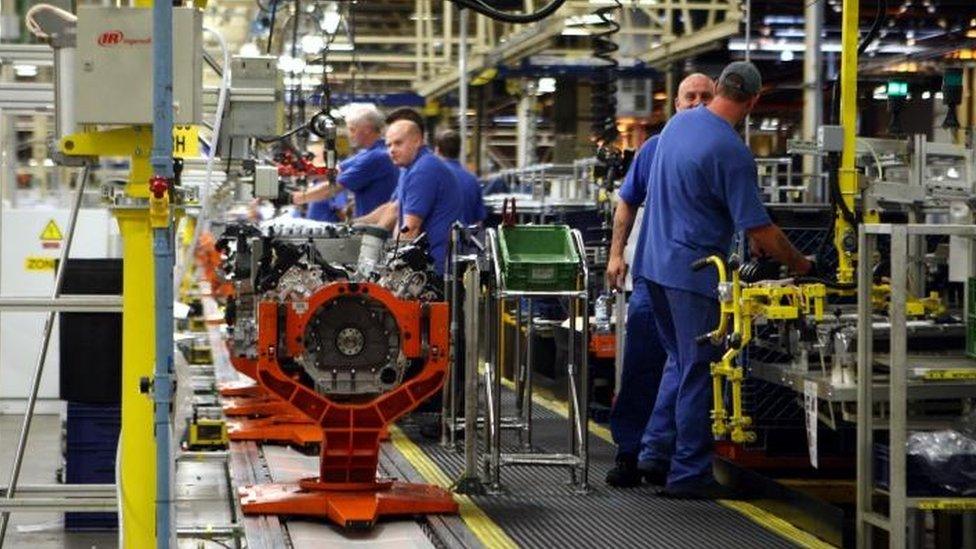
{"x":430,"y":191}
{"x":703,"y":188}
{"x":634,"y":189}
{"x":473,"y":207}
{"x":328,"y":209}
{"x":370,"y":175}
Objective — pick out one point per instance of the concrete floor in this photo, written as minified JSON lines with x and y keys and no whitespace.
{"x":42,"y":461}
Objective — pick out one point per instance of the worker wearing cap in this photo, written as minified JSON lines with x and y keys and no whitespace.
{"x":448,"y":147}
{"x":369,"y":173}
{"x":427,"y":199}
{"x":703,"y":188}
{"x":644,"y":357}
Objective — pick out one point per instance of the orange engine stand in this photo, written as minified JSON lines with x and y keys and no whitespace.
{"x":347,"y":490}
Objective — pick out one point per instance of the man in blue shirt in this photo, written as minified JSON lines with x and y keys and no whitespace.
{"x":702,"y":190}
{"x":428,"y":197}
{"x":369,"y":173}
{"x":644,"y":357}
{"x":448,"y":147}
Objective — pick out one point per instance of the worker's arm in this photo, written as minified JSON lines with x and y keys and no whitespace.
{"x":319,"y":191}
{"x":769,"y":240}
{"x":411,"y":226}
{"x":384,"y":215}
{"x":623,"y":222}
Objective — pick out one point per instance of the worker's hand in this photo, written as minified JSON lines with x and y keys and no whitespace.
{"x":616,"y":272}
{"x":298,"y":197}
{"x":811,"y":268}
{"x":761,"y":269}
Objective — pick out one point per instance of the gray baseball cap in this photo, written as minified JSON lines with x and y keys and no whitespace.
{"x":742,"y":76}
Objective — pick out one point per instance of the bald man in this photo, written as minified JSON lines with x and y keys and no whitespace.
{"x":427,"y":198}
{"x":644,"y":356}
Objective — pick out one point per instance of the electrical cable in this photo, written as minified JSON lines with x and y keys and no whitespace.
{"x":274,"y":12}
{"x":35,"y":28}
{"x":204,"y":216}
{"x":603,"y":99}
{"x":487,"y":10}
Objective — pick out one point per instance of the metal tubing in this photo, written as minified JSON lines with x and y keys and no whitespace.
{"x":848,"y":121}
{"x":42,"y":354}
{"x":449,"y":392}
{"x":63,"y":304}
{"x":496,"y":403}
{"x":518,"y":373}
{"x":865,"y":401}
{"x":898,"y":396}
{"x":571,"y":375}
{"x":527,"y":404}
{"x":585,"y":374}
{"x":463,"y":80}
{"x":54,"y":504}
{"x":471,"y":373}
{"x":64,"y":490}
{"x":162,"y":163}
{"x":163,"y":384}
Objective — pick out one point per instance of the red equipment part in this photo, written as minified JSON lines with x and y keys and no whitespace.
{"x":347,"y":490}
{"x":294,"y":429}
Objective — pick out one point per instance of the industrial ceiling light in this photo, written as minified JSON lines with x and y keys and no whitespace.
{"x":331,"y":18}
{"x":312,"y":43}
{"x":249,"y":49}
{"x":25,"y":71}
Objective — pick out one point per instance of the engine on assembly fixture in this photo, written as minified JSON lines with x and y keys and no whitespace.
{"x":351,"y":345}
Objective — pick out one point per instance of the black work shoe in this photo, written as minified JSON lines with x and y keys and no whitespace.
{"x":625,"y":474}
{"x":655,"y":477}
{"x":710,"y":490}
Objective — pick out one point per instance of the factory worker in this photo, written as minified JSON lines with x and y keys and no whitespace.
{"x":428,"y":197}
{"x":703,"y":188}
{"x":644,"y":356}
{"x":448,"y":147}
{"x":369,"y":174}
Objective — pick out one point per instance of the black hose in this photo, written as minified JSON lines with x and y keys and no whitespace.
{"x":487,"y":10}
{"x":603,"y":98}
{"x":274,"y":13}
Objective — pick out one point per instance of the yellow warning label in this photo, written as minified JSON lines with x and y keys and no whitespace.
{"x":950,"y":375}
{"x":51,"y":232}
{"x":186,"y":143}
{"x":958,"y":504}
{"x":40,"y":263}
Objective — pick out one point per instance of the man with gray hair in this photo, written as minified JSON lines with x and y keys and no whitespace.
{"x":369,"y":174}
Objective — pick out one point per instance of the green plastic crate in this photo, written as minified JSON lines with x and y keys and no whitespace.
{"x":539,"y":258}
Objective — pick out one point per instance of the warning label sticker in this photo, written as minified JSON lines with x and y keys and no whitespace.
{"x":51,"y":235}
{"x":40,"y":263}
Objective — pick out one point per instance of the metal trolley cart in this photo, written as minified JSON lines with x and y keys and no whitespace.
{"x":533,"y":262}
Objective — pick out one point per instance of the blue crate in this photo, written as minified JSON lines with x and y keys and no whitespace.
{"x":93,"y":425}
{"x":91,"y":522}
{"x":87,"y":464}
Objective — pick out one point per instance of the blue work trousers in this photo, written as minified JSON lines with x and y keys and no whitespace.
{"x":643,"y":365}
{"x":679,"y":436}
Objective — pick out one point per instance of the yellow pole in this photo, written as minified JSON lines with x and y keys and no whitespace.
{"x":844,"y":234}
{"x":137,"y":458}
{"x":137,"y":464}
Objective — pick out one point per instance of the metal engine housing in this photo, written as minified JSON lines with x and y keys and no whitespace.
{"x":352,"y":347}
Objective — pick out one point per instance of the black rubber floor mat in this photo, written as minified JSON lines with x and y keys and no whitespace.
{"x":540,"y":508}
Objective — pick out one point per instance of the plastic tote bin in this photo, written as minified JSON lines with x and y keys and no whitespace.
{"x":538,"y":258}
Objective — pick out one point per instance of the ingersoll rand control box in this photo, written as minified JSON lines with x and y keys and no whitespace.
{"x":113,"y":68}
